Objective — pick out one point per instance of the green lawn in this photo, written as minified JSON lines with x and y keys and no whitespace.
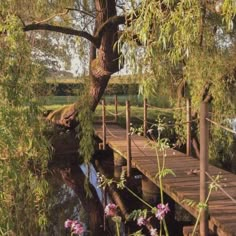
{"x":136,"y":102}
{"x":136,"y":113}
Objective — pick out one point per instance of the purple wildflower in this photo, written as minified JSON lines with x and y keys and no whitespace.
{"x":110,"y":209}
{"x":141,"y":221}
{"x":68,"y":223}
{"x":153,"y":232}
{"x":162,"y":210}
{"x":75,"y":226}
{"x":77,"y":229}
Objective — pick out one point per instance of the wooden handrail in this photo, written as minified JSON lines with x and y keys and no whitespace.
{"x":204,"y":146}
{"x":188,"y":128}
{"x":104,"y":124}
{"x":145,"y":116}
{"x":128,"y":139}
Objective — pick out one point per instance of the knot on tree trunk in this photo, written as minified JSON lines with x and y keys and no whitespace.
{"x":98,"y":70}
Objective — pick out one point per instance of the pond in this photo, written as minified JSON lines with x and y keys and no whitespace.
{"x":69,"y":201}
{"x":69,"y":196}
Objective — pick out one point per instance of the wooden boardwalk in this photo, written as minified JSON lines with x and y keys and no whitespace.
{"x":186,"y":183}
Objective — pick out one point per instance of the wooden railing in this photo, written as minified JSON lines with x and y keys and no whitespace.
{"x":204,"y":144}
{"x":145,"y":120}
{"x":204,"y":150}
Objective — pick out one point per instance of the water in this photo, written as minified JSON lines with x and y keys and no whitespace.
{"x":69,"y":199}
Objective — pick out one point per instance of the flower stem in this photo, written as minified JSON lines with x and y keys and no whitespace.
{"x":165,"y":227}
{"x":140,"y":199}
{"x":197,"y":221}
{"x":200,"y":211}
{"x":161,"y":189}
{"x":117,"y":228}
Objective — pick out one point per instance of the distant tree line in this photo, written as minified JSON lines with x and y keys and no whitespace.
{"x":74,"y":89}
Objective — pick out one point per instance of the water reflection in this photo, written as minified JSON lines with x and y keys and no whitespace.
{"x":69,"y":201}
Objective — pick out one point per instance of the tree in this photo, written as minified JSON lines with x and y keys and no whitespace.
{"x":190,"y":48}
{"x":147,"y":23}
{"x":166,"y":37}
{"x":22,"y":143}
{"x":104,"y":56}
{"x":185,"y":45}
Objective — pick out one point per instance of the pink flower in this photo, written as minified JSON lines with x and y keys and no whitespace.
{"x":153,"y":232}
{"x":77,"y":229}
{"x":110,"y":209}
{"x":75,"y":226}
{"x":68,"y":223}
{"x":162,"y":210}
{"x":141,"y":221}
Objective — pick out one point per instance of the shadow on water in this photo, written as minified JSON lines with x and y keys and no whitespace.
{"x":68,"y":195}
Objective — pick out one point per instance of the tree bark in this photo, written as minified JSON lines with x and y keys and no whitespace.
{"x":105,"y":62}
{"x":104,"y":58}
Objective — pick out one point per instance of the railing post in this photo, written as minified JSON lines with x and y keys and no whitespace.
{"x":204,"y":145}
{"x":104,"y":124}
{"x":145,"y":116}
{"x":188,"y":119}
{"x":116,"y":108}
{"x":128,"y":139}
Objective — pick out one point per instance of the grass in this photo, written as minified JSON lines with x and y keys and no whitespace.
{"x":56,"y":102}
{"x":136,"y":113}
{"x":136,"y":116}
{"x":64,"y":100}
{"x":136,"y":100}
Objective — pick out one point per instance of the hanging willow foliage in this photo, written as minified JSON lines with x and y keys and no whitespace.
{"x":24,"y":151}
{"x":188,"y":50}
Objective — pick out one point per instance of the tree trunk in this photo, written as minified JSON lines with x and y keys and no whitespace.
{"x":103,"y":62}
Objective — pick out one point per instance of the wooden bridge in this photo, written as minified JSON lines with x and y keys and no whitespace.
{"x":192,"y":176}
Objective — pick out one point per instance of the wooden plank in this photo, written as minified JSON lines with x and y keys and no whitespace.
{"x":185,"y":185}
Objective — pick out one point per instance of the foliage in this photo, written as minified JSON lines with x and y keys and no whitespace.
{"x":188,"y":48}
{"x":183,"y":42}
{"x":24,"y":150}
{"x":85,"y":133}
{"x":138,"y":213}
{"x":143,"y":216}
{"x":214,"y":185}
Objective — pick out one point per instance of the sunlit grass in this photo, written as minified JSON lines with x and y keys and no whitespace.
{"x":136,"y":113}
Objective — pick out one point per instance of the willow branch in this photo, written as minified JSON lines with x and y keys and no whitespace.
{"x":203,"y":21}
{"x":51,"y":17}
{"x":63,"y":30}
{"x":81,"y":11}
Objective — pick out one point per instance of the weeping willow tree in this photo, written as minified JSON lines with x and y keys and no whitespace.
{"x":32,"y":34}
{"x":188,"y":50}
{"x":24,"y":151}
{"x":185,"y":46}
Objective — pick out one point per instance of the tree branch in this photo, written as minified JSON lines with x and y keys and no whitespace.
{"x":81,"y":11}
{"x":112,"y":21}
{"x":63,"y":30}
